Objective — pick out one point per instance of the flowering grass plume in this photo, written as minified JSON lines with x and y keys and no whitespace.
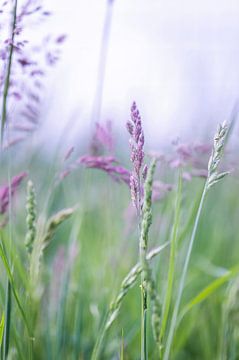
{"x":44,"y":235}
{"x":134,"y":127}
{"x":218,"y":147}
{"x":108,"y":164}
{"x":31,"y":216}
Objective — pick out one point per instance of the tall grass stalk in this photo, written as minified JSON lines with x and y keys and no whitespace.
{"x":212,"y":178}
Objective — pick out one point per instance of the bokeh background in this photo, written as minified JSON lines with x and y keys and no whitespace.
{"x":178,"y":60}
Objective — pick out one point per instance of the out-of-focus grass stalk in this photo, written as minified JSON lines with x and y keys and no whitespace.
{"x":171,"y":270}
{"x":61,"y":314}
{"x":6,"y":337}
{"x":212,"y":178}
{"x":229,"y":346}
{"x":8,"y":71}
{"x":97,"y":102}
{"x":3,"y":122}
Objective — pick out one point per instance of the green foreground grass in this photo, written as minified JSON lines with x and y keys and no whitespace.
{"x":91,"y":253}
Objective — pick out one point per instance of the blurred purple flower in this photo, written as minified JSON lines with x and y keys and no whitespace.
{"x":108,"y":164}
{"x":192,"y":157}
{"x":7,"y":192}
{"x":28,"y":63}
{"x":102,"y":139}
{"x":160,"y":190}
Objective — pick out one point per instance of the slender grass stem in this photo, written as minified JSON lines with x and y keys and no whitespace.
{"x":8,"y":71}
{"x":144,"y":306}
{"x":97,"y":103}
{"x":183,"y":278}
{"x":6,"y":339}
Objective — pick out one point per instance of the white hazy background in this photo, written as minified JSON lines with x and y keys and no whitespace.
{"x":178,"y":59}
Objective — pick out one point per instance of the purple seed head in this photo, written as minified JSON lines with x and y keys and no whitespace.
{"x":7,"y":192}
{"x":134,"y":127}
{"x":130,"y":127}
{"x":134,"y":187}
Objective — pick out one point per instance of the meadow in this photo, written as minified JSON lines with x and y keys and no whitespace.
{"x":108,"y":249}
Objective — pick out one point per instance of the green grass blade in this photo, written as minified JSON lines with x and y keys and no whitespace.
{"x":209,"y":290}
{"x":15,"y":294}
{"x":2,"y":325}
{"x":122,"y":346}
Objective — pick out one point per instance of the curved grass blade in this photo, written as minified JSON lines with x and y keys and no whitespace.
{"x":209,"y":290}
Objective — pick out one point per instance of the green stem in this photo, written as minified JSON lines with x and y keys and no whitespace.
{"x":6,"y":339}
{"x":183,"y":277}
{"x":8,"y":72}
{"x":143,"y":319}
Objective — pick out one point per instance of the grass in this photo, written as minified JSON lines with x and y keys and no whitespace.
{"x":85,"y":285}
{"x":81,"y":280}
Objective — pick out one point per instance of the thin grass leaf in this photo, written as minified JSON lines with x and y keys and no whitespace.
{"x":209,"y":290}
{"x":122,"y":346}
{"x":8,"y":306}
{"x":15,"y":294}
